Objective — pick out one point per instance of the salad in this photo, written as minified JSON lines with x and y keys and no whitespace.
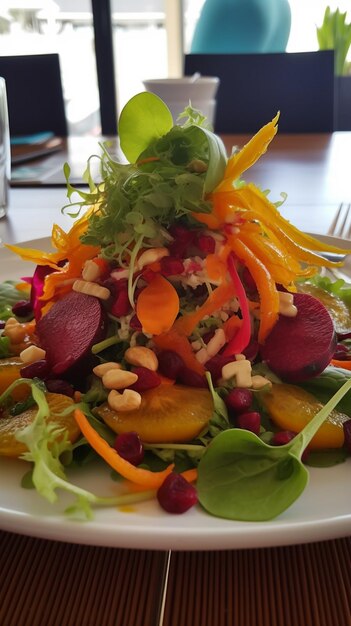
{"x":182,"y":331}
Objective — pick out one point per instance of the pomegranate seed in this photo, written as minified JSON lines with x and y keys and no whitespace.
{"x":176,"y":495}
{"x":250,"y":421}
{"x":178,"y":231}
{"x":178,"y":248}
{"x":188,"y":377}
{"x":147,"y":379}
{"x":56,"y":385}
{"x":347,"y":435}
{"x":148,"y":275}
{"x":170,"y":266}
{"x":206,"y":243}
{"x":38,"y":369}
{"x":170,"y":364}
{"x":23,"y":308}
{"x":130,"y":447}
{"x":121,"y":305}
{"x":239,"y":400}
{"x":282,"y":437}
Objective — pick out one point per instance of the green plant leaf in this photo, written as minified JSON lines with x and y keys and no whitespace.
{"x":241,"y":477}
{"x":217,"y":160}
{"x":144,"y":119}
{"x":335,"y":34}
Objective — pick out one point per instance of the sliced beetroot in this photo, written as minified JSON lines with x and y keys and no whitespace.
{"x":69,"y":330}
{"x":301,"y":347}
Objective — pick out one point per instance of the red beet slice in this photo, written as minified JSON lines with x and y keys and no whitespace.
{"x":69,"y":330}
{"x":301,"y":347}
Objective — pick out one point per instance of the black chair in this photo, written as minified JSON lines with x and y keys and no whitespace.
{"x":35,"y":95}
{"x":255,"y":86}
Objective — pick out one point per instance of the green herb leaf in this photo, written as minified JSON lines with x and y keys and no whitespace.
{"x":45,"y":449}
{"x":9,"y":295}
{"x":327,"y":384}
{"x":144,"y":119}
{"x":217,"y":160}
{"x":241,"y":477}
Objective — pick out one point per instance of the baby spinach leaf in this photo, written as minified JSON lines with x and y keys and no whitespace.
{"x":143,"y":119}
{"x":243,"y":478}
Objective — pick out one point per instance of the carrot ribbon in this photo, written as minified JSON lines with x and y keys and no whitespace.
{"x":150,"y":480}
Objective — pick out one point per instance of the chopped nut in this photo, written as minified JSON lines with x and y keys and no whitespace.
{"x":32,"y":354}
{"x":100,"y":370}
{"x":151,"y":256}
{"x":216,"y":342}
{"x":129,"y":400}
{"x":15,"y":331}
{"x":286,"y":304}
{"x":91,"y":289}
{"x":241,"y":370}
{"x":202,"y":355}
{"x":213,"y":347}
{"x":91,"y":271}
{"x":12,"y":321}
{"x":143,"y":357}
{"x":118,"y":379}
{"x":260,"y":381}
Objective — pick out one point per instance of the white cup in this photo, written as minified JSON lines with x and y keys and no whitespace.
{"x":178,"y":92}
{"x":5,"y":152}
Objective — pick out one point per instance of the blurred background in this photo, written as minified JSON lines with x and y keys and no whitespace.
{"x":149,"y":39}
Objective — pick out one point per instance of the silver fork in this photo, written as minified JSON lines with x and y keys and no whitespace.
{"x":341,"y":224}
{"x":340,"y":227}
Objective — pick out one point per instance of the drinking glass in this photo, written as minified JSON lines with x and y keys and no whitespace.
{"x":5,"y":153}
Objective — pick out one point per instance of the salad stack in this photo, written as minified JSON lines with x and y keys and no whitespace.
{"x":182,"y":330}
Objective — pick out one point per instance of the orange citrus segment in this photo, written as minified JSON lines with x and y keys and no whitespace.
{"x":9,"y":372}
{"x":9,"y":425}
{"x":168,"y":413}
{"x":291,"y":408}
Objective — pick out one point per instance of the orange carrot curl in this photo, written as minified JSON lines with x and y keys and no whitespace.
{"x":150,"y":480}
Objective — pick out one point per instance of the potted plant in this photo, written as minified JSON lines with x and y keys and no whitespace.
{"x":335,"y":34}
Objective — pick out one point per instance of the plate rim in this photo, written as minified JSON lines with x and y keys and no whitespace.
{"x":122,"y":534}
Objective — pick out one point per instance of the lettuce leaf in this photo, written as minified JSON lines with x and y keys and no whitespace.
{"x":46,"y":443}
{"x":339,"y":288}
{"x":9,"y":295}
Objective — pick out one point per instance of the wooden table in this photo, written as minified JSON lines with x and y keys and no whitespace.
{"x":47,"y":583}
{"x":313,"y":170}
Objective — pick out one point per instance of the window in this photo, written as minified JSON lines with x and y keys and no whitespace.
{"x":149,"y":38}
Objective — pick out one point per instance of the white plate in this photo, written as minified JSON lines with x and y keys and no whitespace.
{"x":322,"y":512}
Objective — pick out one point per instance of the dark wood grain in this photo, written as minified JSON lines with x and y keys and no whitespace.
{"x":47,"y":583}
{"x":305,"y":585}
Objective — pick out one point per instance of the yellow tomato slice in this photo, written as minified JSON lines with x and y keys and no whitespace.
{"x":9,"y":425}
{"x":9,"y":372}
{"x":291,"y":408}
{"x":167,"y":414}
